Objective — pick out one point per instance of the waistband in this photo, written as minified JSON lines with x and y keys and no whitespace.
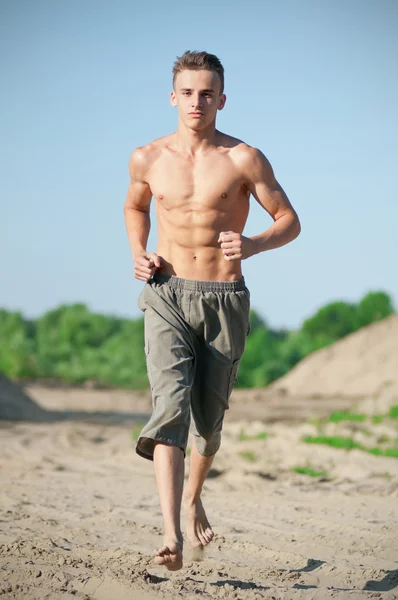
{"x":193,"y":285}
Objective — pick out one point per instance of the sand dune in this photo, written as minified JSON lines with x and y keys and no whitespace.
{"x":358,"y":365}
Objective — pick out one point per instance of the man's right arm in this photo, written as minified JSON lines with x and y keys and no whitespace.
{"x":136,"y":215}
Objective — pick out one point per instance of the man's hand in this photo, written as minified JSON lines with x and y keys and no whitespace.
{"x":145,"y":265}
{"x":236,"y":246}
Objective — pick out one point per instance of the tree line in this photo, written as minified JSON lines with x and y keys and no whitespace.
{"x":71,"y":344}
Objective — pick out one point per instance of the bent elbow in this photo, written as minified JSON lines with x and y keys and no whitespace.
{"x":297,"y":227}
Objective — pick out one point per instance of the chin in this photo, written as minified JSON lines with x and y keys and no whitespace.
{"x":197,"y":125}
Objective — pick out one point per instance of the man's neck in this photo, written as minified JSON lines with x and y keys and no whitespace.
{"x":191,"y":142}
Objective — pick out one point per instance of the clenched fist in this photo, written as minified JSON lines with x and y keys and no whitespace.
{"x":235,"y":246}
{"x":145,"y":265}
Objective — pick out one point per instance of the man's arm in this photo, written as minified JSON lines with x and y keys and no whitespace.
{"x":261,"y":182}
{"x":269,"y":194}
{"x":136,"y":216}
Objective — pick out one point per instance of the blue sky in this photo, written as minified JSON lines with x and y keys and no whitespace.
{"x":313,"y":84}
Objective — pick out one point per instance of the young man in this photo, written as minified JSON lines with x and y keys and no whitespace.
{"x":195,"y":301}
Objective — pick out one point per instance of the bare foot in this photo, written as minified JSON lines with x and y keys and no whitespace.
{"x":169,"y":555}
{"x":199,"y":531}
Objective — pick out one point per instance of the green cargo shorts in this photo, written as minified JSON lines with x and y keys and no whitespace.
{"x":195,"y":335}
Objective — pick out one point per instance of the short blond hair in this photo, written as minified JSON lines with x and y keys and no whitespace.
{"x":198,"y":61}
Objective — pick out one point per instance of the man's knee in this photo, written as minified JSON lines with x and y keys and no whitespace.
{"x":208,"y":446}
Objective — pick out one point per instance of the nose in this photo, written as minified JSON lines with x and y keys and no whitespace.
{"x":196,"y":101}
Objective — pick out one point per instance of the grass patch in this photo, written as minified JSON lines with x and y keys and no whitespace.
{"x":350,"y":444}
{"x":392,"y":452}
{"x":308,"y":471}
{"x":334,"y":441}
{"x":250,"y":456}
{"x":393,"y":412}
{"x":377,"y":419}
{"x":376,"y":451}
{"x":344,"y":415}
{"x":243,"y":437}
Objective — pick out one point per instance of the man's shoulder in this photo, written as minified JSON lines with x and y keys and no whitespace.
{"x":143,"y":156}
{"x":250,"y":161}
{"x":153,"y":148}
{"x":238,"y":149}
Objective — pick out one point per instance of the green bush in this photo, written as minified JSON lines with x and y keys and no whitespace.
{"x":334,"y":321}
{"x":373,"y":307}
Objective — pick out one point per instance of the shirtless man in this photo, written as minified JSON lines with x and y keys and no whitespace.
{"x":195,"y":301}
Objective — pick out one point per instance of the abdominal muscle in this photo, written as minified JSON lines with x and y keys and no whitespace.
{"x":202,"y":263}
{"x":189,"y":248}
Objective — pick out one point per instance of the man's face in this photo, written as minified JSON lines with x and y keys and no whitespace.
{"x":197,"y":96}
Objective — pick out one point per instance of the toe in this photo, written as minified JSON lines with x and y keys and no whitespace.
{"x":202,"y":539}
{"x":162,"y":551}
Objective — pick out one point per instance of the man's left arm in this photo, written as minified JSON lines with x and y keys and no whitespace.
{"x":261,"y":182}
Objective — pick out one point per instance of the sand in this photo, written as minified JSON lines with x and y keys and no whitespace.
{"x":80,"y":515}
{"x":359,"y":364}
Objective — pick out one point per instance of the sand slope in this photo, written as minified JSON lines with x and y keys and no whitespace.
{"x":16,"y":404}
{"x":357,"y":365}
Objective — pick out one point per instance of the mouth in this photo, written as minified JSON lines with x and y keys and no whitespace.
{"x":196,"y":114}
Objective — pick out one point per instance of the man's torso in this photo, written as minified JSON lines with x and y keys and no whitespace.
{"x":197,"y":198}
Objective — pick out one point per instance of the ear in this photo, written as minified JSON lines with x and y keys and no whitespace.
{"x":222,"y":101}
{"x":173,"y":98}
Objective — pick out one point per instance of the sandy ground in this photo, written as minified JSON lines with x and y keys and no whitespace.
{"x":80,"y":516}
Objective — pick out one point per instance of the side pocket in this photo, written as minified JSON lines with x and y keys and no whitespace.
{"x":244,"y":299}
{"x":140,"y":300}
{"x":148,"y":361}
{"x":233,"y":376}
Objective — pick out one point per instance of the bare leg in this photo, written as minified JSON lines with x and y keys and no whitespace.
{"x":199,"y":531}
{"x":169,"y":471}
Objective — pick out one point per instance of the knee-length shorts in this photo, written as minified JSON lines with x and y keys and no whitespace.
{"x":195,"y":335}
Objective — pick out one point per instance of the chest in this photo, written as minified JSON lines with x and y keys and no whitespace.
{"x":208,"y":182}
